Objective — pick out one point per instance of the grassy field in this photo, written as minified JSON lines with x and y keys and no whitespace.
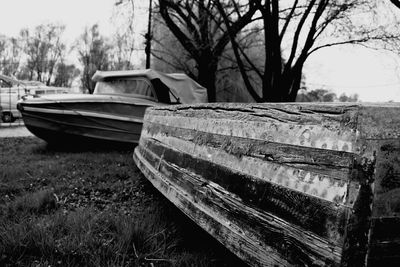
{"x":91,"y":207}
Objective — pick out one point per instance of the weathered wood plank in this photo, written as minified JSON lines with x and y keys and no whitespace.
{"x":332,"y":163}
{"x":297,"y":125}
{"x":271,"y":233}
{"x":296,"y":175}
{"x":234,"y":240}
{"x":324,"y":218}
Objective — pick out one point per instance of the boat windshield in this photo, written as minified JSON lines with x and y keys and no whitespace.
{"x":124,"y":86}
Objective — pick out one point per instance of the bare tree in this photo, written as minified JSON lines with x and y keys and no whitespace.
{"x":168,"y":55}
{"x":10,"y":55}
{"x":43,"y":47}
{"x":124,"y":36}
{"x":94,"y":52}
{"x":65,"y":74}
{"x":294,"y":30}
{"x":197,"y":25}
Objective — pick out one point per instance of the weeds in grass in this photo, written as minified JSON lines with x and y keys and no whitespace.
{"x":80,"y":208}
{"x":40,"y":202}
{"x":85,"y":237}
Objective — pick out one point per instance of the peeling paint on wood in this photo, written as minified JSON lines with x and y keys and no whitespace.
{"x":282,"y":184}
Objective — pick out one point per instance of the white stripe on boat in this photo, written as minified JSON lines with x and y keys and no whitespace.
{"x":83,"y":113}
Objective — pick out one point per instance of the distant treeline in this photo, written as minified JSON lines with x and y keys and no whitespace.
{"x":242,"y":51}
{"x":41,"y":54}
{"x":322,"y":95}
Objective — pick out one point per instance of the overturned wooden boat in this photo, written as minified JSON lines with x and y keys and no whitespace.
{"x":283,"y":184}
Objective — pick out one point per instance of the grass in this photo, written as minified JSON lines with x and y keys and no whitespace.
{"x":91,"y":207}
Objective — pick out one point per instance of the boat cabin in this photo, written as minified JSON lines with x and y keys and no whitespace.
{"x":175,"y":88}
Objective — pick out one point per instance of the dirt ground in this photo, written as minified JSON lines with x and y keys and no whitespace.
{"x":14,"y":131}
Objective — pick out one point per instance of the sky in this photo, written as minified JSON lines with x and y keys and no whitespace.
{"x":76,"y":14}
{"x":373,"y":75}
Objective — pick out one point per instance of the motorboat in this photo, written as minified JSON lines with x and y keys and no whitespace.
{"x":283,"y":184}
{"x":115,"y":110}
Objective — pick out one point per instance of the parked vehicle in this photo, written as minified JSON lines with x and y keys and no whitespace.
{"x":8,"y":103}
{"x":12,"y":90}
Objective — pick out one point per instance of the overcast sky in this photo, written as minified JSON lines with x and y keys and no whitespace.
{"x":76,"y":14}
{"x":373,"y":75}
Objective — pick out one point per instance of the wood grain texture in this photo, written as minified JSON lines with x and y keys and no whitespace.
{"x":282,"y":184}
{"x":316,"y":172}
{"x":199,"y":199}
{"x":298,"y":126}
{"x":322,"y":217}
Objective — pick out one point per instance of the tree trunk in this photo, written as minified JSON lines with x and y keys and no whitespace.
{"x":49,"y":78}
{"x":39,"y":76}
{"x":207,"y":77}
{"x":285,"y":87}
{"x":274,"y":87}
{"x":295,"y":85}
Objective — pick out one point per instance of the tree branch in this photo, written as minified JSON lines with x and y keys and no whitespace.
{"x":231,"y":35}
{"x":250,"y":62}
{"x":396,"y":3}
{"x":287,"y":21}
{"x":182,"y":38}
{"x":297,"y":33}
{"x":235,"y":27}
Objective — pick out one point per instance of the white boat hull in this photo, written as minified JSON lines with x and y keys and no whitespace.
{"x":87,"y":117}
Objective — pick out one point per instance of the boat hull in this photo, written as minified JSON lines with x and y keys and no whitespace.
{"x":281,"y":184}
{"x":87,"y":119}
